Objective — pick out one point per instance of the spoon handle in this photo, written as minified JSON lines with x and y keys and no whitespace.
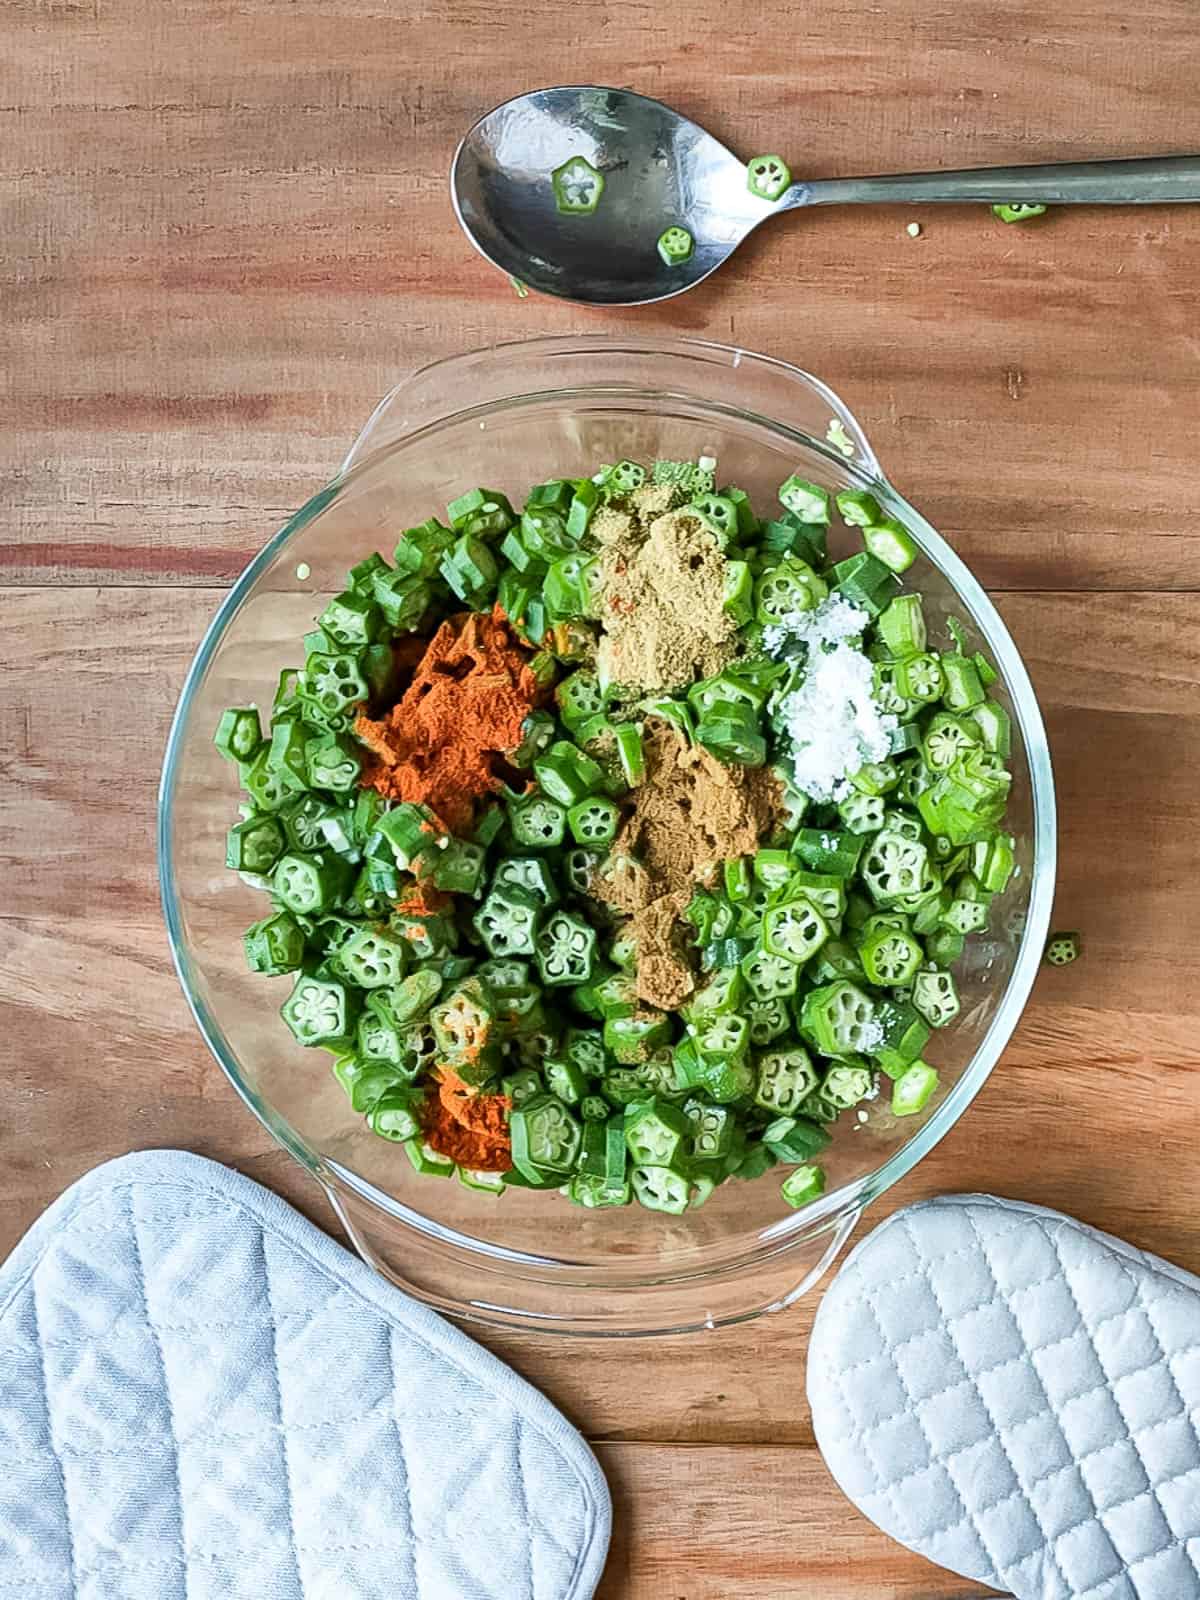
{"x":1151,"y":180}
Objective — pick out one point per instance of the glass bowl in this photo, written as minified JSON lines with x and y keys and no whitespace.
{"x":509,"y":417}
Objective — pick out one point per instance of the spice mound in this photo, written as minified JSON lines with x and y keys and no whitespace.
{"x":662,"y":595}
{"x":690,"y":813}
{"x":443,"y":744}
{"x":468,"y":1127}
{"x":833,"y":718}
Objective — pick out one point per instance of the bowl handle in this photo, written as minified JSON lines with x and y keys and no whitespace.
{"x":398,"y":414}
{"x":458,"y":383}
{"x":756,"y":384}
{"x":434,"y":1273}
{"x":827,"y":418}
{"x":837,"y":1243}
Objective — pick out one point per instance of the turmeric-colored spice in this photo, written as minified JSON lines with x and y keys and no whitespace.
{"x":469,"y":1127}
{"x":444,"y":743}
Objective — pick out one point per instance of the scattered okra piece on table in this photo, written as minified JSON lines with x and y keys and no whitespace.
{"x":1062,"y":949}
{"x":1018,"y":212}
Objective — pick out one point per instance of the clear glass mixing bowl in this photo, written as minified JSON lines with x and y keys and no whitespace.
{"x":508,"y":417}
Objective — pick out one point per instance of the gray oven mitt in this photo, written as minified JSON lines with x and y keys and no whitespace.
{"x":1017,"y":1397}
{"x":204,"y":1398}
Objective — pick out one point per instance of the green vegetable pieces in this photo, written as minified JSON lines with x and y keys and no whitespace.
{"x":641,"y":1027}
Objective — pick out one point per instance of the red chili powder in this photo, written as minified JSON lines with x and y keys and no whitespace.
{"x":469,"y":1127}
{"x":443,"y":744}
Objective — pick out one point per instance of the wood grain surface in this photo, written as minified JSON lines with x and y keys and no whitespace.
{"x":224,"y":232}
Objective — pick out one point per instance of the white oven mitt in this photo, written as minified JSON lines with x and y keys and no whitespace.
{"x":1017,"y":1397}
{"x":204,"y":1398}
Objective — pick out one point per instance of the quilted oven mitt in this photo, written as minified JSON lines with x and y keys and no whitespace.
{"x":204,"y":1398}
{"x":1017,"y":1397}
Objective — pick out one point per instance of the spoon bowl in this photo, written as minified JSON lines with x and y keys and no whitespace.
{"x":661,"y":170}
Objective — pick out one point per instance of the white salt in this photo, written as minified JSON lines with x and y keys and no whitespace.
{"x":871,"y":1037}
{"x":833,"y":621}
{"x":831,"y":718}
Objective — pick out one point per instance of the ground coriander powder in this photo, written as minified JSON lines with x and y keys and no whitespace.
{"x":689,"y":815}
{"x":661,"y":594}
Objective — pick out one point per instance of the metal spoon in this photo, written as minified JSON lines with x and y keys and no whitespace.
{"x":662,"y":169}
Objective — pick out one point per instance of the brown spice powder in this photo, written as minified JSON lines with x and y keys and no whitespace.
{"x":662,"y":604}
{"x":664,"y":971}
{"x":689,"y":815}
{"x":612,"y":526}
{"x":652,"y":499}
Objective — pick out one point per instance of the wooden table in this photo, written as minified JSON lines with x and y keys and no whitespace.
{"x":226,"y":232}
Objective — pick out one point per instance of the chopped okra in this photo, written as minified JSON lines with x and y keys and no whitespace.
{"x":1062,"y":949}
{"x":1018,"y":211}
{"x":768,"y":177}
{"x":675,"y":245}
{"x":501,"y":810}
{"x":913,"y":1089}
{"x":578,"y":186}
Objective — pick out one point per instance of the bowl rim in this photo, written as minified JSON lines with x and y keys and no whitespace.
{"x":757,"y":1244}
